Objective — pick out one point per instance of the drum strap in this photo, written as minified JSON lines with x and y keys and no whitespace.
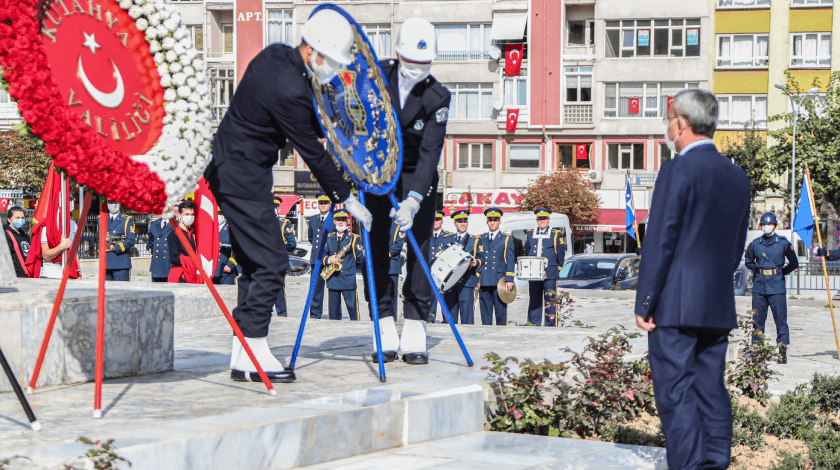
{"x":539,"y":247}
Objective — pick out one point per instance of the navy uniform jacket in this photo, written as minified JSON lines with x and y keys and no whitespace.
{"x":272,"y":103}
{"x":397,"y":242}
{"x":695,"y":236}
{"x":288,"y":231}
{"x":314,"y":234}
{"x":121,"y":229}
{"x":423,"y":121}
{"x":553,"y":249}
{"x":470,"y":244}
{"x":226,"y":257}
{"x":768,"y":254}
{"x":498,"y":258}
{"x":833,"y":255}
{"x":159,"y":248}
{"x":437,"y":245}
{"x":354,"y":259}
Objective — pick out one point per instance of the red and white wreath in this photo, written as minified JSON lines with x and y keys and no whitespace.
{"x":115,"y":90}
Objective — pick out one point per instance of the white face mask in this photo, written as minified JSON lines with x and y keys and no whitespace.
{"x":340,"y":229}
{"x":326,"y":71}
{"x":188,"y":220}
{"x":221,"y":220}
{"x":113,"y":208}
{"x":672,"y":146}
{"x":768,"y":228}
{"x":415,"y":72}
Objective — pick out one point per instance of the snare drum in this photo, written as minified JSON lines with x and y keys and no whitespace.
{"x":450,"y":266}
{"x":531,"y":268}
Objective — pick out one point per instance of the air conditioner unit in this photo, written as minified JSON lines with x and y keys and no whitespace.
{"x":596,"y":176}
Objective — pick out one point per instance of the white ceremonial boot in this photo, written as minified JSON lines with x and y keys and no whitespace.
{"x":390,"y":340}
{"x":235,"y":349}
{"x":245,"y":371}
{"x":413,"y":343}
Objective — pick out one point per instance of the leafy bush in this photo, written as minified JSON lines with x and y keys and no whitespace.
{"x":825,"y":391}
{"x":824,"y":448}
{"x":102,"y":456}
{"x":747,"y":426}
{"x":749,"y":373}
{"x":793,"y":417}
{"x":790,"y":462}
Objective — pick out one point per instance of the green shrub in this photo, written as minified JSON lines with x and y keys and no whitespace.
{"x":824,"y":448}
{"x":749,"y":373}
{"x":825,"y":391}
{"x":793,"y":417}
{"x":790,"y":462}
{"x":747,"y":426}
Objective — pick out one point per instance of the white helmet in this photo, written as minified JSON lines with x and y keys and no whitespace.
{"x":416,"y":40}
{"x":329,"y":33}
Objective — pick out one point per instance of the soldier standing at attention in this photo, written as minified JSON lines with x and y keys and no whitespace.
{"x":159,"y":230}
{"x":440,"y":240}
{"x":499,"y":261}
{"x":287,"y":230}
{"x":226,"y":269}
{"x":462,"y":296}
{"x":550,"y":244}
{"x":121,"y":239}
{"x":317,"y":231}
{"x":342,"y":283}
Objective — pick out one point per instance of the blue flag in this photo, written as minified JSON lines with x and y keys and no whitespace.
{"x":630,"y":211}
{"x":803,"y":222}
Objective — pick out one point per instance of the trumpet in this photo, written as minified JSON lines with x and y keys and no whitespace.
{"x":328,"y":271}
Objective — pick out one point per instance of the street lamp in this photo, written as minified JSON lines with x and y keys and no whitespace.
{"x":796,"y":108}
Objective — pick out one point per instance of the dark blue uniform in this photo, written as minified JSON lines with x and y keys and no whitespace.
{"x":499,"y":261}
{"x":461,"y":298}
{"x":423,"y":121}
{"x":439,"y":241}
{"x":343,"y":282}
{"x":394,"y":267}
{"x":226,"y":258}
{"x":316,"y":231}
{"x":545,"y":292}
{"x":288,"y":231}
{"x":765,"y":256}
{"x":159,"y":249}
{"x":121,"y":235}
{"x":694,"y":241}
{"x":272,"y":104}
{"x":833,"y":255}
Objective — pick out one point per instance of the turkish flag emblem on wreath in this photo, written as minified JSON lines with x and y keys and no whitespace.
{"x":512,"y":119}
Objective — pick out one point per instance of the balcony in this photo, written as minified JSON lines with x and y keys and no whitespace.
{"x":577,"y":114}
{"x":454,"y":56}
{"x":217,"y":113}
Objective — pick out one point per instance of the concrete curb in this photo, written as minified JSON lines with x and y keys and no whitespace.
{"x":821,"y":302}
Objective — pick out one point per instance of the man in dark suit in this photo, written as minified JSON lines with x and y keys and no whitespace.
{"x":273,"y":104}
{"x":701,"y":205}
{"x":159,"y":230}
{"x":316,"y":232}
{"x":342,"y":283}
{"x":499,"y":262}
{"x":460,"y":299}
{"x":121,"y":239}
{"x":440,"y":240}
{"x":548,"y":243}
{"x":422,"y":105}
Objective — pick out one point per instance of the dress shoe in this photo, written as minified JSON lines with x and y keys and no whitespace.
{"x":284,"y":377}
{"x":387,"y":356}
{"x":416,"y":358}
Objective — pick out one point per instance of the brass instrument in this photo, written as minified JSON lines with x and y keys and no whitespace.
{"x":328,"y":271}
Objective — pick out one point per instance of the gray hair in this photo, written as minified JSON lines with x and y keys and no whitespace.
{"x":699,"y":108}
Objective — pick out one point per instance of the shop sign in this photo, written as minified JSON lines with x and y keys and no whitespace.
{"x":480,"y":197}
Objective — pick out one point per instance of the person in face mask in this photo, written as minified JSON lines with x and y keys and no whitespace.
{"x":121,"y":239}
{"x":422,"y":105}
{"x":342,"y":283}
{"x":183,"y":269}
{"x":765,"y":256}
{"x":18,"y":238}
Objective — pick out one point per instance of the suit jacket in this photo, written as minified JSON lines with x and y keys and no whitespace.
{"x":159,"y":248}
{"x":470,"y":244}
{"x":695,"y":236}
{"x":176,"y":249}
{"x":423,"y":122}
{"x":272,"y":103}
{"x":397,"y":241}
{"x":122,"y":227}
{"x":315,"y":232}
{"x":353,"y":260}
{"x":438,"y":243}
{"x":553,"y":249}
{"x":498,"y":258}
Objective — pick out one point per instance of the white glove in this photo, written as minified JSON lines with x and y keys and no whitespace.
{"x":405,"y":216}
{"x":358,"y":211}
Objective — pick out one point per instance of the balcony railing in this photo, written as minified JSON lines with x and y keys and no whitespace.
{"x":218,"y":112}
{"x":462,"y":55}
{"x":577,"y":113}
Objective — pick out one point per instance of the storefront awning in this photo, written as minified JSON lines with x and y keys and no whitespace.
{"x":609,"y":220}
{"x":508,"y":27}
{"x":288,"y":201}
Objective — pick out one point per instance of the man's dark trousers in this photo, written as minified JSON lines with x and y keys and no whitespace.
{"x":694,"y":406}
{"x":488,"y":298}
{"x":778,"y":304}
{"x":542,"y":293}
{"x":117,"y":274}
{"x":253,"y":234}
{"x":351,"y":301}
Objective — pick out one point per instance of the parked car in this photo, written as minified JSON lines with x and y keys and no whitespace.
{"x":743,"y":280}
{"x":299,"y":266}
{"x":619,"y":271}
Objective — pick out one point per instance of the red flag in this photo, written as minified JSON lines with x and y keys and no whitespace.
{"x":634,"y":106}
{"x":512,"y":118}
{"x":206,"y":228}
{"x":513,"y":59}
{"x":670,"y":102}
{"x":50,"y":208}
{"x":581,"y":152}
{"x":4,"y":204}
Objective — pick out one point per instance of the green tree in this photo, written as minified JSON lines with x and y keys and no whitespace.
{"x":23,"y":162}
{"x":817,"y":141}
{"x":565,"y":191}
{"x":746,"y":149}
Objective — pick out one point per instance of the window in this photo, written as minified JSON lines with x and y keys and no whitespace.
{"x":197,"y":37}
{"x":810,"y":49}
{"x":742,"y":50}
{"x":736,"y":111}
{"x":641,"y":100}
{"x":578,"y":84}
{"x":470,"y":100}
{"x":516,"y":89}
{"x":524,"y":156}
{"x":380,"y":37}
{"x":221,"y":91}
{"x":665,"y":153}
{"x":4,"y":97}
{"x":569,"y":155}
{"x":227,"y":38}
{"x":581,"y":33}
{"x":820,"y":102}
{"x":626,"y":156}
{"x":810,"y":2}
{"x":281,"y":25}
{"x":463,"y":41}
{"x":475,"y":155}
{"x":653,"y":38}
{"x":744,"y":3}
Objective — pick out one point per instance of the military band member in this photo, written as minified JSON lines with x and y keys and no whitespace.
{"x":422,"y":105}
{"x":287,"y":230}
{"x":498,"y":262}
{"x":394,"y":267}
{"x":343,"y":282}
{"x":159,"y":230}
{"x":765,"y":256}
{"x":440,"y":240}
{"x":272,"y":104}
{"x":548,"y":243}
{"x":226,"y":268}
{"x":461,"y":297}
{"x":316,"y":231}
{"x":121,"y":239}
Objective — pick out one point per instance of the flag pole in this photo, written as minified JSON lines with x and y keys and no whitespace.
{"x":633,"y":205}
{"x":825,"y":270}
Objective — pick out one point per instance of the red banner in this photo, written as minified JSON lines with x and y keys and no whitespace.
{"x":580,"y":151}
{"x":513,"y":59}
{"x":670,"y":102}
{"x":633,"y":106}
{"x":206,"y":228}
{"x":512,"y":118}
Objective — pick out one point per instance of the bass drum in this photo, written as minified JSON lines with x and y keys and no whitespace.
{"x":450,"y":266}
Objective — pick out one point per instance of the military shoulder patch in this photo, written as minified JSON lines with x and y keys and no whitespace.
{"x":442,"y":115}
{"x":419,"y":125}
{"x":402,"y":234}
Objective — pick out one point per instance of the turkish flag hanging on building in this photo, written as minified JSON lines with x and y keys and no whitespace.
{"x":633,"y":106}
{"x":580,"y":151}
{"x":513,"y":59}
{"x":206,"y":228}
{"x":670,"y":102}
{"x":512,"y":118}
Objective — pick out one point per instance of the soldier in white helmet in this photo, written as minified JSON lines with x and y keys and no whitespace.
{"x":422,"y":104}
{"x":273,"y":104}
